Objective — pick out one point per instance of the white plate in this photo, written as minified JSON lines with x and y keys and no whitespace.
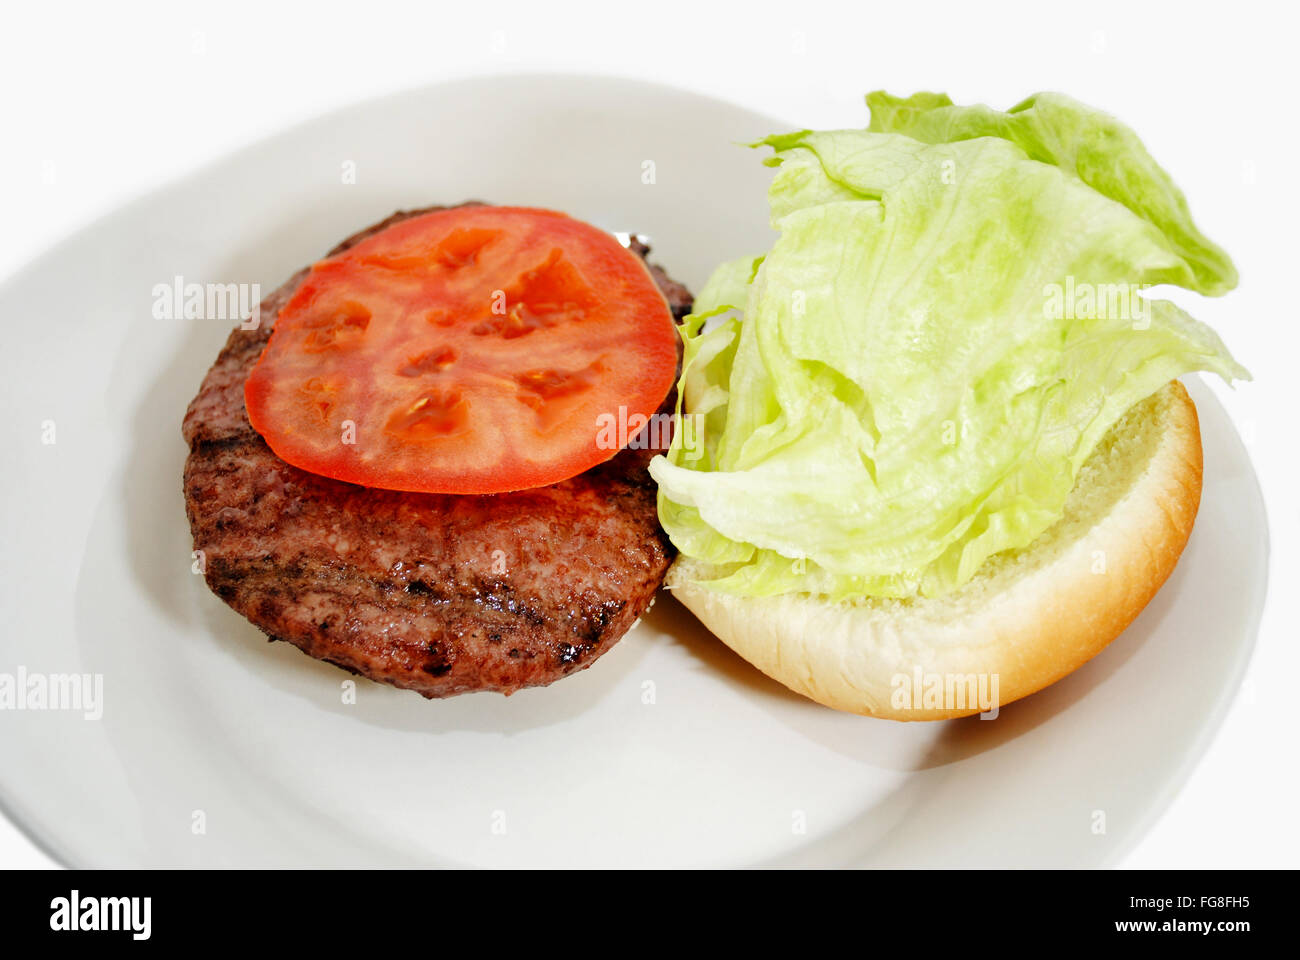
{"x":670,"y":750}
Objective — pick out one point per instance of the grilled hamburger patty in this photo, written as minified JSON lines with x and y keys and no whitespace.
{"x":437,"y":593}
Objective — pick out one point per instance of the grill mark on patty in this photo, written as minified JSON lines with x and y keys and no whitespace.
{"x":400,"y":587}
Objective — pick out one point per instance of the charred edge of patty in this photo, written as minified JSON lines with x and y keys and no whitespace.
{"x":487,"y":616}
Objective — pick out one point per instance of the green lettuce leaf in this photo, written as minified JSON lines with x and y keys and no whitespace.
{"x":1085,"y":143}
{"x":937,"y":340}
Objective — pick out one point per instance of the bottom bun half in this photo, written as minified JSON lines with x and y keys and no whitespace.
{"x":1028,"y":618}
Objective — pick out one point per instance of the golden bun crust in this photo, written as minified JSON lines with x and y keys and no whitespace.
{"x":1026,"y":620}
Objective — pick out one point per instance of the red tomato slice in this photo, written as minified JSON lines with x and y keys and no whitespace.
{"x":471,"y":350}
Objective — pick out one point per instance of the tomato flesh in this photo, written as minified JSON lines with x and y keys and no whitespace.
{"x":469,"y":350}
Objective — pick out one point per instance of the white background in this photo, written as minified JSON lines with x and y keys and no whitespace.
{"x":103,"y":103}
